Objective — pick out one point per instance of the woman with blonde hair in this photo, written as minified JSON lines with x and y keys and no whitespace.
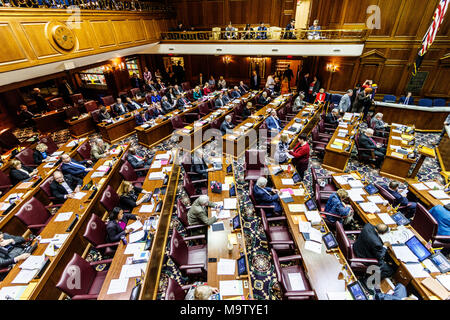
{"x":197,"y":93}
{"x":129,"y":196}
{"x":40,"y":154}
{"x":281,"y":153}
{"x":337,"y":204}
{"x":19,"y":173}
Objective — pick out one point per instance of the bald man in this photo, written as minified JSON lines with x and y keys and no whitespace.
{"x":64,"y":186}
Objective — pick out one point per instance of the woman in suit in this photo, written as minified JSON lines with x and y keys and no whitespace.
{"x":20,"y":173}
{"x":171,"y":96}
{"x":116,"y":227}
{"x":129,"y":196}
{"x":40,"y":154}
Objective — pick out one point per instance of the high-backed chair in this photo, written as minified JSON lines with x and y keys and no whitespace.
{"x":77,"y":98}
{"x":182,"y":216}
{"x":176,"y":292}
{"x":321,"y":197}
{"x":85,"y":150}
{"x":358,"y":265}
{"x":56,"y":103}
{"x":425,"y":102}
{"x":284,"y":281}
{"x":8,"y":140}
{"x":203,"y":109}
{"x":191,"y":190}
{"x":5,"y":182}
{"x":110,"y":199}
{"x":45,"y":187}
{"x":177,"y":122}
{"x":187,"y":166}
{"x":107,"y":100}
{"x":90,"y":280}
{"x":439,"y":102}
{"x":426,"y":225}
{"x":96,"y":234}
{"x":72,"y":111}
{"x":51,"y":145}
{"x":254,"y":202}
{"x":134,"y":92}
{"x":96,"y":115}
{"x":327,"y":186}
{"x":26,"y":157}
{"x":363,"y":156}
{"x":318,"y":144}
{"x":278,"y":237}
{"x":192,"y":261}
{"x":34,"y":215}
{"x":186,"y":86}
{"x":254,"y":165}
{"x":215,"y":124}
{"x":90,"y":105}
{"x":389,"y":98}
{"x":128,"y":173}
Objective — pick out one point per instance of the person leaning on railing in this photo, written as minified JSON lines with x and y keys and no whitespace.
{"x":249,"y":33}
{"x":288,"y":33}
{"x":315,"y":35}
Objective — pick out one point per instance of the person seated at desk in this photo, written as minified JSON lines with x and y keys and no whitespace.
{"x":182,"y":102}
{"x":262,"y":32}
{"x":246,"y":110}
{"x":155,"y":97}
{"x":263,"y":99}
{"x":198,"y":213}
{"x":207,"y":89}
{"x":442,"y":215}
{"x":410,"y":209}
{"x":19,"y":173}
{"x":150,"y":86}
{"x":158,"y":110}
{"x":282,"y":151}
{"x":299,"y":103}
{"x":300,"y":155}
{"x":75,"y":168}
{"x":200,"y":291}
{"x":315,"y":34}
{"x":104,"y":115}
{"x":119,"y":108}
{"x":166,"y":106}
{"x":235,"y":94}
{"x":408,"y":100}
{"x":177,"y":90}
{"x":25,"y":116}
{"x":399,"y":293}
{"x":197,"y":94}
{"x":132,"y":105}
{"x":64,"y":186}
{"x":137,"y":159}
{"x":226,"y":98}
{"x":333,"y":117}
{"x":369,"y":245}
{"x":243,"y":89}
{"x":221,"y":84}
{"x":267,"y":196}
{"x":116,"y":227}
{"x":366,"y":142}
{"x":40,"y":154}
{"x":142,"y":117}
{"x":273,"y":122}
{"x":11,"y":250}
{"x":99,"y":149}
{"x":159,"y":84}
{"x":41,"y":103}
{"x":378,"y":124}
{"x":227,"y":126}
{"x":219,"y":103}
{"x":199,"y":165}
{"x":320,"y":96}
{"x":336,"y":204}
{"x":129,"y":196}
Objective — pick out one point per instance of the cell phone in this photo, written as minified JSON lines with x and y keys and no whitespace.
{"x":212,"y":260}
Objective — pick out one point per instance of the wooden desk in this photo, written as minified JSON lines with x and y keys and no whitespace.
{"x":51,"y":121}
{"x":322,"y":269}
{"x":217,"y":240}
{"x":243,"y":137}
{"x":396,"y":167}
{"x":402,"y":275}
{"x":119,"y":129}
{"x":81,"y":127}
{"x":423,"y":195}
{"x":336,"y":159}
{"x":9,"y":223}
{"x":75,"y":243}
{"x":120,"y":257}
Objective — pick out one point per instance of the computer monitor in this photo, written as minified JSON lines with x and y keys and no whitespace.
{"x":330,"y":241}
{"x":296,"y":177}
{"x":441,"y":262}
{"x":242,"y":266}
{"x":357,"y":291}
{"x":371,"y":189}
{"x":236,"y":222}
{"x":418,"y":248}
{"x":311,"y":205}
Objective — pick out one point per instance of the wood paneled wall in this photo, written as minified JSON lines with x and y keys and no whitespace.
{"x":25,"y":42}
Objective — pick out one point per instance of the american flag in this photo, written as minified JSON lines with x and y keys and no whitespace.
{"x":429,"y":37}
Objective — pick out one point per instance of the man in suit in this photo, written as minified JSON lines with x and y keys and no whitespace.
{"x":304,"y":83}
{"x":346,"y":104}
{"x":150,"y":86}
{"x":267,"y":196}
{"x":219,"y":103}
{"x":165,"y":105}
{"x":25,"y":116}
{"x":64,"y":186}
{"x":288,"y":33}
{"x":182,"y":102}
{"x":141,"y":118}
{"x":315,"y":34}
{"x":75,"y":168}
{"x":41,"y":103}
{"x":242,"y":88}
{"x":262,"y":32}
{"x":136,"y":82}
{"x":263,"y":99}
{"x":104,"y":115}
{"x":273,"y":122}
{"x":65,"y":91}
{"x":177,"y":89}
{"x":199,"y":165}
{"x":332,"y":117}
{"x":226,"y":98}
{"x":132,"y":105}
{"x":235,"y":94}
{"x":401,"y":200}
{"x":255,"y":81}
{"x":226,"y":126}
{"x":399,"y":293}
{"x":288,"y":74}
{"x":366,"y":142}
{"x":137,"y":159}
{"x":370,"y":246}
{"x":119,"y":108}
{"x":159,"y":84}
{"x":12,"y":250}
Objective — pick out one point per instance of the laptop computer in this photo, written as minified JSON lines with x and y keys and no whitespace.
{"x":418,"y":248}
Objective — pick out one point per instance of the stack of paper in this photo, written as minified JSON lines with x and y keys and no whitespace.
{"x":444,"y":280}
{"x":118,"y":286}
{"x":416,"y":270}
{"x":132,"y":270}
{"x":226,"y":267}
{"x":135,"y":225}
{"x":12,"y":293}
{"x":375,"y":199}
{"x":369,"y":207}
{"x":297,"y":207}
{"x":313,"y":246}
{"x":299,"y":192}
{"x":342,"y":180}
{"x":136,"y":236}
{"x":63,"y":216}
{"x":231,"y":288}
{"x":439,"y":194}
{"x":287,"y":182}
{"x":230,"y":203}
{"x":133,"y":248}
{"x":355,"y":195}
{"x":79,"y":195}
{"x":433,"y":185}
{"x":146,"y":208}
{"x":386,"y":218}
{"x":355,"y":184}
{"x":313,"y":217}
{"x":156,"y":176}
{"x":156,"y":164}
{"x":403,"y":253}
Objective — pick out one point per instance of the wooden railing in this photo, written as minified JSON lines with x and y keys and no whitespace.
{"x":269,"y":35}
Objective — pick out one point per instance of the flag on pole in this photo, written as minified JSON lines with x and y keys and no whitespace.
{"x":430,"y":35}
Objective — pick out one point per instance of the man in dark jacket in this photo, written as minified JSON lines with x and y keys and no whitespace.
{"x":410,"y":209}
{"x":332,"y":117}
{"x":226,"y":126}
{"x":75,"y":168}
{"x":370,"y":246}
{"x":255,"y":81}
{"x":64,"y":186}
{"x":366,"y":142}
{"x":138,"y":160}
{"x":11,"y":250}
{"x":41,"y":103}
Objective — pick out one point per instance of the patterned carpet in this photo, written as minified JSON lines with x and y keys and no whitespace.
{"x":264,"y":282}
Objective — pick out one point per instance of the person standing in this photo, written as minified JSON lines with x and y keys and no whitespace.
{"x":288,"y":74}
{"x":41,"y":103}
{"x":255,"y":81}
{"x":301,"y":156}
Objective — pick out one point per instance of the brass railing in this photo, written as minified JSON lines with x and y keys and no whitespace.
{"x":270,"y":34}
{"x":117,"y":5}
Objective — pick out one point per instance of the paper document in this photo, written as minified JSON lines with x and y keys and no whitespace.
{"x":375,"y":199}
{"x":103,"y":168}
{"x":420,"y":186}
{"x":369,"y":207}
{"x":156,"y":176}
{"x":63,"y":216}
{"x":313,"y":246}
{"x":403,"y":253}
{"x":444,"y":280}
{"x":343,"y":295}
{"x":132,"y":270}
{"x":416,"y":270}
{"x":136,"y":236}
{"x":25,"y":276}
{"x":386,"y":218}
{"x":163,"y":156}
{"x":230,"y":203}
{"x":439,"y":194}
{"x":296,"y":281}
{"x":118,"y":286}
{"x":49,"y":165}
{"x":133,"y":248}
{"x":430,"y":266}
{"x":315,"y":235}
{"x":297,"y":207}
{"x":226,"y":267}
{"x":287,"y":182}
{"x":299,"y":192}
{"x":156,"y":164}
{"x":135,"y":225}
{"x":304,"y":226}
{"x":98,"y":174}
{"x":12,"y":293}
{"x":433,"y":185}
{"x":355,"y":184}
{"x":342,"y":180}
{"x":57,"y":153}
{"x":313,"y":217}
{"x":33,"y":262}
{"x":79,"y":195}
{"x":231,"y":288}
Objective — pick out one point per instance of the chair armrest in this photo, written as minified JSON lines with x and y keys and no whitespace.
{"x":197,"y":226}
{"x":264,"y":207}
{"x":293,"y":294}
{"x":192,"y":266}
{"x":198,"y":237}
{"x":364,"y":260}
{"x":186,"y":287}
{"x":35,"y":226}
{"x":141,"y":169}
{"x":331,"y":215}
{"x":85,"y":297}
{"x":324,"y":135}
{"x":320,"y":142}
{"x":199,"y":181}
{"x":353,"y":232}
{"x":290,"y":242}
{"x":195,"y":196}
{"x":53,"y":206}
{"x":106,"y":261}
{"x":442,"y":238}
{"x":4,"y":270}
{"x":279,"y":218}
{"x":107,"y":245}
{"x":290,"y":258}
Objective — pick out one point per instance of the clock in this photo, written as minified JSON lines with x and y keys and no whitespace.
{"x":64,"y":37}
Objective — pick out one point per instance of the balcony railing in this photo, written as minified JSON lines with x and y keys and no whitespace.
{"x":269,"y":35}
{"x":116,"y":5}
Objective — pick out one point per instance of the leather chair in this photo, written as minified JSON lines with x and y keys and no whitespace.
{"x":363,"y":157}
{"x":148,"y":98}
{"x":107,"y":100}
{"x":282,"y":115}
{"x":96,"y":116}
{"x":321,"y":197}
{"x":317,"y":144}
{"x":177,"y":122}
{"x":5,"y":182}
{"x":122,"y":94}
{"x":215,"y":124}
{"x":45,"y":187}
{"x":254,"y":202}
{"x":190,"y":95}
{"x":176,"y":292}
{"x":128,"y":173}
{"x":191,"y":189}
{"x":389,"y":98}
{"x":187,"y":166}
{"x":34,"y":215}
{"x":358,"y":265}
{"x":110,"y":199}
{"x":72,"y":111}
{"x":325,"y":129}
{"x":90,"y":106}
{"x":186,"y":86}
{"x":192,"y":261}
{"x":283,"y":277}
{"x":254,"y":166}
{"x":77,"y":99}
{"x":203,"y":109}
{"x":51,"y":145}
{"x":8,"y":140}
{"x":182,"y":212}
{"x":278,"y":237}
{"x":56,"y":103}
{"x":96,"y":234}
{"x":328,"y":186}
{"x":320,"y":137}
{"x":426,"y":225}
{"x":134,"y":92}
{"x":90,"y":280}
{"x":425,"y":102}
{"x":85,"y":150}
{"x":438,"y":102}
{"x":26,"y":157}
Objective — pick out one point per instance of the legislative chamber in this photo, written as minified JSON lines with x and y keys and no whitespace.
{"x":230,"y":150}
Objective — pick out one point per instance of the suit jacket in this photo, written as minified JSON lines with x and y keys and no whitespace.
{"x":331,"y":119}
{"x":235,"y":95}
{"x":128,"y":201}
{"x":265,"y":196}
{"x":38,"y":157}
{"x":199,"y":166}
{"x":225,"y":126}
{"x":255,"y":84}
{"x":399,"y":199}
{"x":166,"y":106}
{"x":69,"y":168}
{"x":403,"y":100}
{"x":140,"y":120}
{"x":17,"y":176}
{"x":378,"y":124}
{"x":366,"y":143}
{"x":262,"y":100}
{"x":177,"y":91}
{"x":114,"y":231}
{"x":41,"y":103}
{"x":133,"y":106}
{"x":243,"y":89}
{"x":14,"y":250}
{"x":345,"y":104}
{"x":58,"y":191}
{"x":272,"y":123}
{"x":135,"y":162}
{"x":368,"y":244}
{"x":182,"y":103}
{"x":98,"y":153}
{"x":104,"y":116}
{"x":117,"y":109}
{"x":219,"y":103}
{"x":335,"y":206}
{"x":199,"y":215}
{"x":226,"y":99}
